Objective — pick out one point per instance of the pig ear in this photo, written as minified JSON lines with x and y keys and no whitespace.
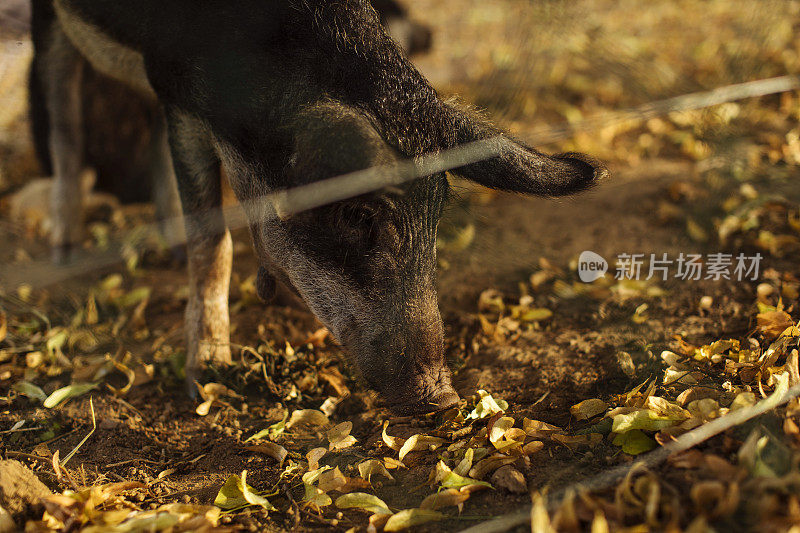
{"x":525,"y":170}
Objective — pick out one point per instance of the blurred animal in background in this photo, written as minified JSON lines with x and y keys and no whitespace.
{"x":411,"y":35}
{"x":30,"y":208}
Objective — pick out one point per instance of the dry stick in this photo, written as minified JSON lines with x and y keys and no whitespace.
{"x":323,"y":192}
{"x":82,"y":442}
{"x":681,"y":444}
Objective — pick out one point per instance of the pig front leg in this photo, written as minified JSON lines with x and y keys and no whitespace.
{"x":209,"y":248}
{"x":60,"y":67}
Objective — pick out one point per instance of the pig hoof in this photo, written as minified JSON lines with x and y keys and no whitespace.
{"x":216,"y":353}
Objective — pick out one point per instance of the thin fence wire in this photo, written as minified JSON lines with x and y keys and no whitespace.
{"x":608,"y":478}
{"x":686,"y":102}
{"x":43,"y":273}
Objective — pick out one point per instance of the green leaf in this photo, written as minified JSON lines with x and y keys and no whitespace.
{"x":412,"y":517}
{"x":362,"y":500}
{"x":455,"y":481}
{"x":272,"y":431}
{"x":236,"y":493}
{"x":634,"y":442}
{"x":487,"y":406}
{"x":65,"y":393}
{"x":30,"y":390}
{"x":642,"y":419}
{"x":316,"y":496}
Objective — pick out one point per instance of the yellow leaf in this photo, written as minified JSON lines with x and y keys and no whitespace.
{"x":444,"y":498}
{"x":538,"y":429}
{"x":641,"y":419}
{"x":665,"y":409}
{"x":532,"y":447}
{"x":372,"y":467}
{"x":464,"y":466}
{"x":499,"y":428}
{"x":276,"y":451}
{"x":395,"y":443}
{"x":235,"y":493}
{"x":743,"y":399}
{"x":339,"y":436}
{"x":588,"y":409}
{"x":251,"y":497}
{"x":418,"y":443}
{"x":30,"y":390}
{"x":634,"y":442}
{"x":307,"y":417}
{"x":331,"y":480}
{"x":579,"y":441}
{"x":204,"y":408}
{"x":488,"y":465}
{"x":535,"y":315}
{"x":314,"y":457}
{"x":339,"y":432}
{"x":364,"y":501}
{"x":772,"y":324}
{"x":412,"y":517}
{"x":487,"y":406}
{"x":316,"y":496}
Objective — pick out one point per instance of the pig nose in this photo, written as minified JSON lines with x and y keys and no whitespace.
{"x":438,"y":402}
{"x":432,"y":396}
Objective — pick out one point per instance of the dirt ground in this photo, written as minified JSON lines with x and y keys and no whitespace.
{"x":597,"y":344}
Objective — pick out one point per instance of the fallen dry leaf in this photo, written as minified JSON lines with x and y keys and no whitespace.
{"x":588,"y":409}
{"x":509,"y":478}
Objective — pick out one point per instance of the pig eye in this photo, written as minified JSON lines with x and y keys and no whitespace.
{"x":368,"y":226}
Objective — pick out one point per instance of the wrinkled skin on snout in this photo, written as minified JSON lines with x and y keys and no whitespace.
{"x":366,"y":267}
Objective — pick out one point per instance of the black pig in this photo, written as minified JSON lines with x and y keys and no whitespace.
{"x":282,"y":94}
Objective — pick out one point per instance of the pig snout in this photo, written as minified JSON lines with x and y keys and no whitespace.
{"x":405,"y":363}
{"x":427,"y":392}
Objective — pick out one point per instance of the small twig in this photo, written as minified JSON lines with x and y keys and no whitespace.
{"x":129,"y":406}
{"x":83,"y":441}
{"x":540,"y":400}
{"x":20,"y":430}
{"x":137,"y":460}
{"x":295,"y":507}
{"x":24,"y":455}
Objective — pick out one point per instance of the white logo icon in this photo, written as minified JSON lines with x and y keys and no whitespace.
{"x":591,"y":266}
